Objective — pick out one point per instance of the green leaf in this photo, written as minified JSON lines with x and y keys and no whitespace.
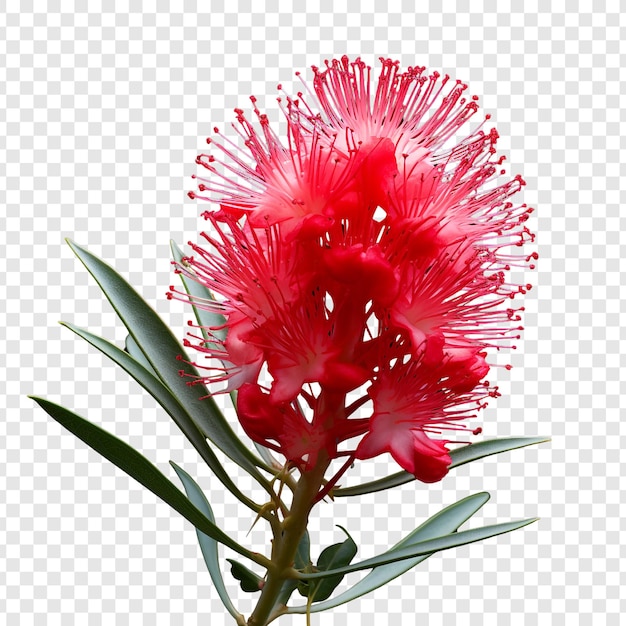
{"x":266,"y":455}
{"x":303,"y":555}
{"x":302,"y":561}
{"x":166,"y":399}
{"x":139,"y":468}
{"x":163,"y":352}
{"x":208,"y":545}
{"x":198,"y":292}
{"x":446,"y":521}
{"x":424,"y":547}
{"x":460,"y":456}
{"x":207,"y":319}
{"x":289,"y":586}
{"x":248,"y":580}
{"x":131,"y":348}
{"x":334,"y":556}
{"x":465,"y":454}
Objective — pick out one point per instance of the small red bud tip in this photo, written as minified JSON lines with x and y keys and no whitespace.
{"x":508,"y":366}
{"x":181,"y":373}
{"x":179,"y":357}
{"x":192,"y":195}
{"x":477,"y":431}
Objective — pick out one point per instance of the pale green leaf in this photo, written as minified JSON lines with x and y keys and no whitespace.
{"x":199,"y":294}
{"x":208,"y":545}
{"x":443,"y":523}
{"x":460,"y":456}
{"x":424,"y":547}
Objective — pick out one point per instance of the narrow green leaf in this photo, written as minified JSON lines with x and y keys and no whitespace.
{"x":460,"y":456}
{"x":166,"y":399}
{"x":208,"y":545}
{"x":289,"y":586}
{"x":248,"y":580}
{"x":163,"y":352}
{"x":302,"y":561}
{"x":205,"y":319}
{"x":332,"y":557}
{"x":131,"y":347}
{"x":465,"y":454}
{"x":267,"y":456}
{"x":445,"y":522}
{"x":424,"y":547}
{"x":139,"y":468}
{"x":303,"y":555}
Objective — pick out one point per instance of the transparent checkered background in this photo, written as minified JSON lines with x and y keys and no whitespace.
{"x":102,"y":112}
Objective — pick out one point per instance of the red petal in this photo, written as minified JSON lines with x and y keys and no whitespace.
{"x":260,"y":419}
{"x":377,"y":169}
{"x":431,"y":458}
{"x":366,"y":271}
{"x":343,"y":376}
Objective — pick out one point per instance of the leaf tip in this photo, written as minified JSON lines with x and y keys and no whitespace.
{"x":177,"y":251}
{"x":179,"y":470}
{"x":38,"y":399}
{"x":173,"y":464}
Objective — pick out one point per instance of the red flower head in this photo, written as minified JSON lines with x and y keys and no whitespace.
{"x":365,"y":254}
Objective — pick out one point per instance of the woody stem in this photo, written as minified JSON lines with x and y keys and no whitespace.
{"x":286,"y":540}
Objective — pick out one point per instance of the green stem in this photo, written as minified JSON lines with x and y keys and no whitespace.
{"x":285,"y":544}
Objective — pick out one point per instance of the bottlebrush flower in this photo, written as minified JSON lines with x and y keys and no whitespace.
{"x":366,"y":254}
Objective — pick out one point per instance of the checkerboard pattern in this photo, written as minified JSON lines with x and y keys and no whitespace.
{"x":103,"y":108}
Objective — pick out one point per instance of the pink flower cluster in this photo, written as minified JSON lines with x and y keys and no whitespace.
{"x":361,"y":267}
